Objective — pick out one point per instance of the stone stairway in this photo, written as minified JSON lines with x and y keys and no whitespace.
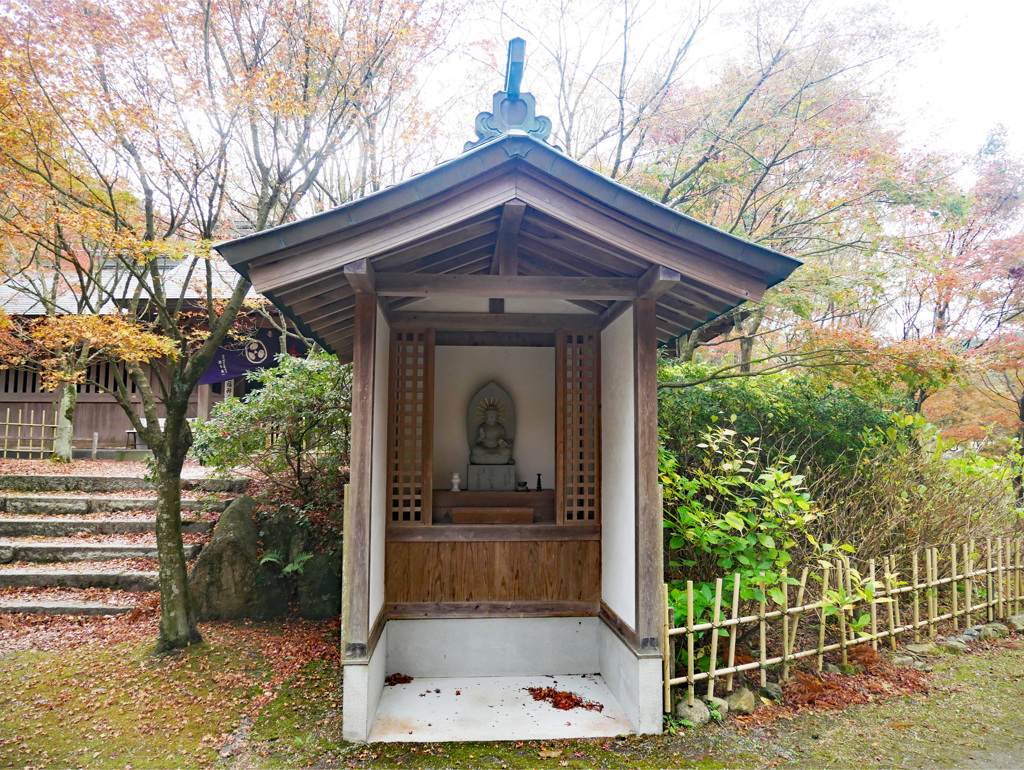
{"x":86,"y":545}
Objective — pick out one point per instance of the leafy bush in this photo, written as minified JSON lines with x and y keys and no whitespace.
{"x":290,"y":431}
{"x":820,"y":423}
{"x":733,"y":513}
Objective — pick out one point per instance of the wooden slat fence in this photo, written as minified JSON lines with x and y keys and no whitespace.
{"x":27,"y":433}
{"x":959,"y":584}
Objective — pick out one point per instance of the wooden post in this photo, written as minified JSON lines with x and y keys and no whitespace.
{"x":714,"y":638}
{"x":821,"y":623}
{"x":7,"y":429}
{"x":649,"y":529}
{"x":733,"y":630}
{"x":689,"y":642}
{"x":357,"y":527}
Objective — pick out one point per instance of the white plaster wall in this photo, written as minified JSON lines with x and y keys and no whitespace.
{"x":364,"y":684}
{"x":378,"y":480}
{"x":618,"y":473}
{"x":528,"y":374}
{"x":635,"y":682}
{"x":436,"y":647}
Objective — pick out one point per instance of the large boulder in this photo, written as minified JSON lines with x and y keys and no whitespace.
{"x":320,"y":587}
{"x":742,"y":701}
{"x":223,"y":581}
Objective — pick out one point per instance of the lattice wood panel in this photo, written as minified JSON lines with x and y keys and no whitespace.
{"x":410,"y":426}
{"x":578,"y":441}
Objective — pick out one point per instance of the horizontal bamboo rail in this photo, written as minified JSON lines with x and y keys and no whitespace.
{"x":991,"y":591}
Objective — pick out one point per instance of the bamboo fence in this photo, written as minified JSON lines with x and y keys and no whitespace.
{"x":957,"y":583}
{"x":28,"y":433}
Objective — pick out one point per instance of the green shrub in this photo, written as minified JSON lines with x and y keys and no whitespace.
{"x":290,"y":431}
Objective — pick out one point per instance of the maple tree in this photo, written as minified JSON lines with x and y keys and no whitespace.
{"x":138,"y":132}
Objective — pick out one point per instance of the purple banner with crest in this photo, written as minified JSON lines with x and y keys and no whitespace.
{"x":236,"y":357}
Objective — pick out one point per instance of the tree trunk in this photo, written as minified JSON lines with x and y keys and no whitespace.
{"x":177,"y":618}
{"x":63,"y":447}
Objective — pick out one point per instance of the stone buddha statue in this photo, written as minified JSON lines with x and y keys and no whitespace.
{"x":492,"y":445}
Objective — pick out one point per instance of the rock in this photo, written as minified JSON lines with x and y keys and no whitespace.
{"x":320,"y":587}
{"x":223,"y":581}
{"x":921,"y":649}
{"x":1016,"y":622}
{"x":832,"y":668}
{"x":963,"y":638}
{"x":953,"y":646}
{"x":903,"y":660}
{"x":923,"y":667}
{"x":998,"y":629}
{"x":721,"y":704}
{"x":772,"y":691}
{"x":742,"y":701}
{"x":275,"y":593}
{"x":697,"y":714}
{"x":984,"y":632}
{"x":850,"y":669}
{"x":973,"y":633}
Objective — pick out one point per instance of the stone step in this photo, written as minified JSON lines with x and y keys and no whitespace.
{"x":64,"y":527}
{"x":77,"y":506}
{"x":56,"y":482}
{"x":64,"y":608}
{"x":129,"y":580}
{"x":16,"y":551}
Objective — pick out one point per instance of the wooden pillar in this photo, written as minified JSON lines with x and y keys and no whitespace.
{"x":356,"y":604}
{"x":649,"y":572}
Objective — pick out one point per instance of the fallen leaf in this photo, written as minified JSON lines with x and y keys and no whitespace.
{"x":549,"y":753}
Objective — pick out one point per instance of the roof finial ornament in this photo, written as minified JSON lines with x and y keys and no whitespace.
{"x":512,"y":109}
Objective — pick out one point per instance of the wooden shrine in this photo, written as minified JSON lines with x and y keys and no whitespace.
{"x":515,"y":264}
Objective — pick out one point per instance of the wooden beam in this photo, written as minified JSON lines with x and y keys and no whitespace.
{"x":505,"y":286}
{"x":496,"y":339}
{"x":614,"y":312}
{"x":649,"y":530}
{"x":506,"y":250}
{"x":492,"y":322}
{"x":657,"y":281}
{"x":355,"y":644}
{"x":360,"y":275}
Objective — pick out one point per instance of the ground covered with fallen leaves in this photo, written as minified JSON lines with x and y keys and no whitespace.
{"x":87,"y":693}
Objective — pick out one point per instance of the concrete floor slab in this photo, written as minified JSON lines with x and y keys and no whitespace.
{"x":494,"y":709}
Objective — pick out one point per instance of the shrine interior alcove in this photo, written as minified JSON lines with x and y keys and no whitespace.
{"x":516,"y":265}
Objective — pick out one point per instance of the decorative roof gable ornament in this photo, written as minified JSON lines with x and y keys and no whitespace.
{"x":512,"y":109}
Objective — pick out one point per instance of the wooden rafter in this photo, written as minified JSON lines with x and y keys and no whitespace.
{"x":506,"y":250}
{"x":503,"y":322}
{"x":556,"y":287}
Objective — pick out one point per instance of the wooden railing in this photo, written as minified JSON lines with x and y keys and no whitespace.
{"x":27,"y":433}
{"x":959,"y":583}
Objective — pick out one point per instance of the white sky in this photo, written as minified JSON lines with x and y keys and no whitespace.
{"x":973,"y":79}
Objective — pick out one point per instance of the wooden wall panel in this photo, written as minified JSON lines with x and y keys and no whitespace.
{"x":493,"y":571}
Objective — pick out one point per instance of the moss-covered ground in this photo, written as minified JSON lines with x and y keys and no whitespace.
{"x":269,"y":696}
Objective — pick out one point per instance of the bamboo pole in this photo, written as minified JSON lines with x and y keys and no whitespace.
{"x":989,"y":609}
{"x":954,"y":598}
{"x":733,"y":632}
{"x":666,"y":649}
{"x":968,"y":582}
{"x":762,"y":628}
{"x":689,"y":642}
{"x":714,"y":638}
{"x":1017,"y":581}
{"x":1000,"y":613}
{"x":785,"y":626}
{"x":800,"y":605}
{"x":917,"y":600}
{"x":887,"y":568}
{"x":892,"y":569}
{"x":930,"y":589}
{"x":7,"y":430}
{"x":840,"y":583}
{"x":874,"y":606}
{"x":821,"y":625}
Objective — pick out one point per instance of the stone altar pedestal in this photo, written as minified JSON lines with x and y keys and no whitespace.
{"x":491,"y":478}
